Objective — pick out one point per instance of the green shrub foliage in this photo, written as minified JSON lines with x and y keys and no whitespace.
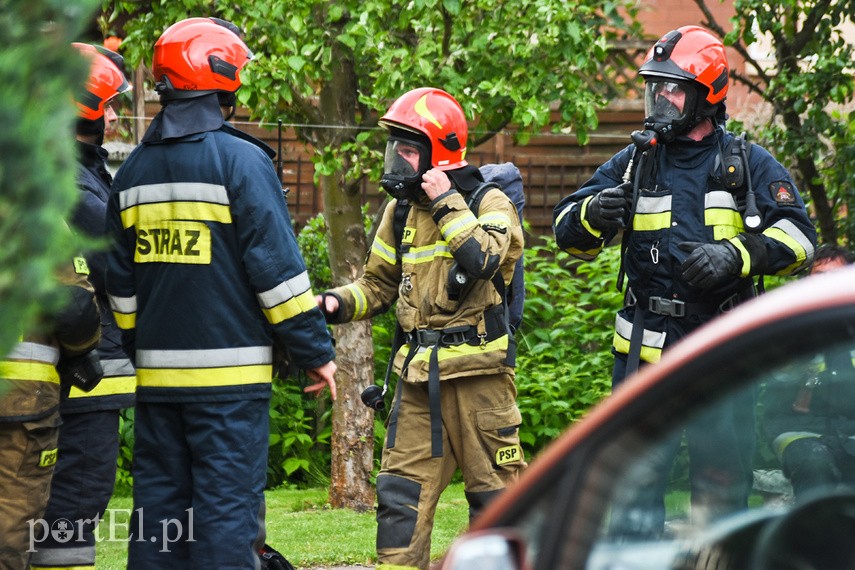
{"x":564,"y":361}
{"x":39,"y":72}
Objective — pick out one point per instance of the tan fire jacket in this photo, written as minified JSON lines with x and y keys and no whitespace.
{"x":29,"y":382}
{"x":437,"y":236}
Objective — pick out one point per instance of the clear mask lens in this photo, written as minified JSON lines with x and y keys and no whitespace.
{"x":667,"y":101}
{"x":403,"y":159}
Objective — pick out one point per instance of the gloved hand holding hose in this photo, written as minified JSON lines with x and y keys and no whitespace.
{"x":609,"y":208}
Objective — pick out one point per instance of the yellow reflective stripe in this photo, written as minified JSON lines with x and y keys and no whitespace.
{"x":383,"y":251}
{"x":196,"y":211}
{"x":125,"y":321}
{"x":395,"y":567}
{"x":782,"y":441}
{"x":652,"y":342}
{"x":427,"y":253}
{"x":787,"y":233}
{"x":112,"y":386}
{"x":652,"y":213}
{"x":457,"y":351}
{"x":722,"y":217}
{"x":567,"y":209}
{"x":202,"y":377}
{"x":360,"y":302}
{"x":648,"y":353}
{"x":458,"y":225}
{"x":585,"y":255}
{"x":124,"y":311}
{"x":651,"y":222}
{"x":291,"y":308}
{"x":85,"y":567}
{"x":582,"y":213}
{"x":29,"y":371}
{"x":745,"y":270}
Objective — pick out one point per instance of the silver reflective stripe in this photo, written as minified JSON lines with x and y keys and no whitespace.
{"x":567,"y":209}
{"x":210,"y":358}
{"x":285,"y":290}
{"x":794,"y":232}
{"x":173,"y":192}
{"x":34,"y":352}
{"x":62,"y":557}
{"x":118,"y":367}
{"x":438,"y":248}
{"x":650,"y":338}
{"x":657,"y":205}
{"x":719,"y":199}
{"x":125,"y":305}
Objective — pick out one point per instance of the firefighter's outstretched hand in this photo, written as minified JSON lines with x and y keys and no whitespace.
{"x":323,"y":376}
{"x":709,"y":264}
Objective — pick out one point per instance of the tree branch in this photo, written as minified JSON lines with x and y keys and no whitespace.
{"x":740,"y":48}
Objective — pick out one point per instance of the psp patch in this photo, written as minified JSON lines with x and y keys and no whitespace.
{"x":408,"y":236}
{"x":783,"y":193}
{"x":47,"y":457}
{"x":509,"y":454}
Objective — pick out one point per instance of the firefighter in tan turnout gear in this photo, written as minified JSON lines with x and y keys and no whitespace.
{"x":456,"y":403}
{"x":30,"y":375}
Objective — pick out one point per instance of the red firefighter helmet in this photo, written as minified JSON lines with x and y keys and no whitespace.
{"x":106,"y":80}
{"x":197,"y":56}
{"x":436,"y":115}
{"x":692,"y":54}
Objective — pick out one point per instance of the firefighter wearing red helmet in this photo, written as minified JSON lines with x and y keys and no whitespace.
{"x":205,"y":275}
{"x":702,"y":213}
{"x":455,"y":405}
{"x":89,"y":435}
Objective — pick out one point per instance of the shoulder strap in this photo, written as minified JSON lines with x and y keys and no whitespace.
{"x":399,"y":221}
{"x":474,"y":203}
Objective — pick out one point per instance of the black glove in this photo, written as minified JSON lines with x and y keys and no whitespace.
{"x":608,"y":209}
{"x":272,"y":559}
{"x":709,"y":264}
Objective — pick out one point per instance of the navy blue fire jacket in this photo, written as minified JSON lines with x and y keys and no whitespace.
{"x":206,"y":273}
{"x":683,"y":198}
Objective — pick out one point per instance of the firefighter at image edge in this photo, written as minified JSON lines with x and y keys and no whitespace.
{"x":85,"y":471}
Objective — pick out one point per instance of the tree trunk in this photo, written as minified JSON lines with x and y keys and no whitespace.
{"x":353,"y":423}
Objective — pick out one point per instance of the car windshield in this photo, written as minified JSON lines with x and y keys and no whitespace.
{"x":784,"y":439}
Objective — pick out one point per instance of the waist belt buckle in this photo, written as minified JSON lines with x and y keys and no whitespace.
{"x":670,"y":307}
{"x":453,"y":338}
{"x":425,"y":337}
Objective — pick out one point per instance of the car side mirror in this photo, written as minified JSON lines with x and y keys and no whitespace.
{"x":495,"y":549}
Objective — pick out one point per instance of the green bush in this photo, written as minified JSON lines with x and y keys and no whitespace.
{"x":564,"y":360}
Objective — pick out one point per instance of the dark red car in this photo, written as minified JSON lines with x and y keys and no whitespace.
{"x":790,"y":353}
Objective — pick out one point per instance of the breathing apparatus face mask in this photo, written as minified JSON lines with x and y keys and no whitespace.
{"x":669,"y":107}
{"x":405,"y":163}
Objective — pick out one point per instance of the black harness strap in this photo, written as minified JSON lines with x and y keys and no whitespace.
{"x":434,"y":403}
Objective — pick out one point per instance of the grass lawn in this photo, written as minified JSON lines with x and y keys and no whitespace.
{"x":303,"y":528}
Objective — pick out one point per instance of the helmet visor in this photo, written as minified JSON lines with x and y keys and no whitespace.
{"x":668,"y":102}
